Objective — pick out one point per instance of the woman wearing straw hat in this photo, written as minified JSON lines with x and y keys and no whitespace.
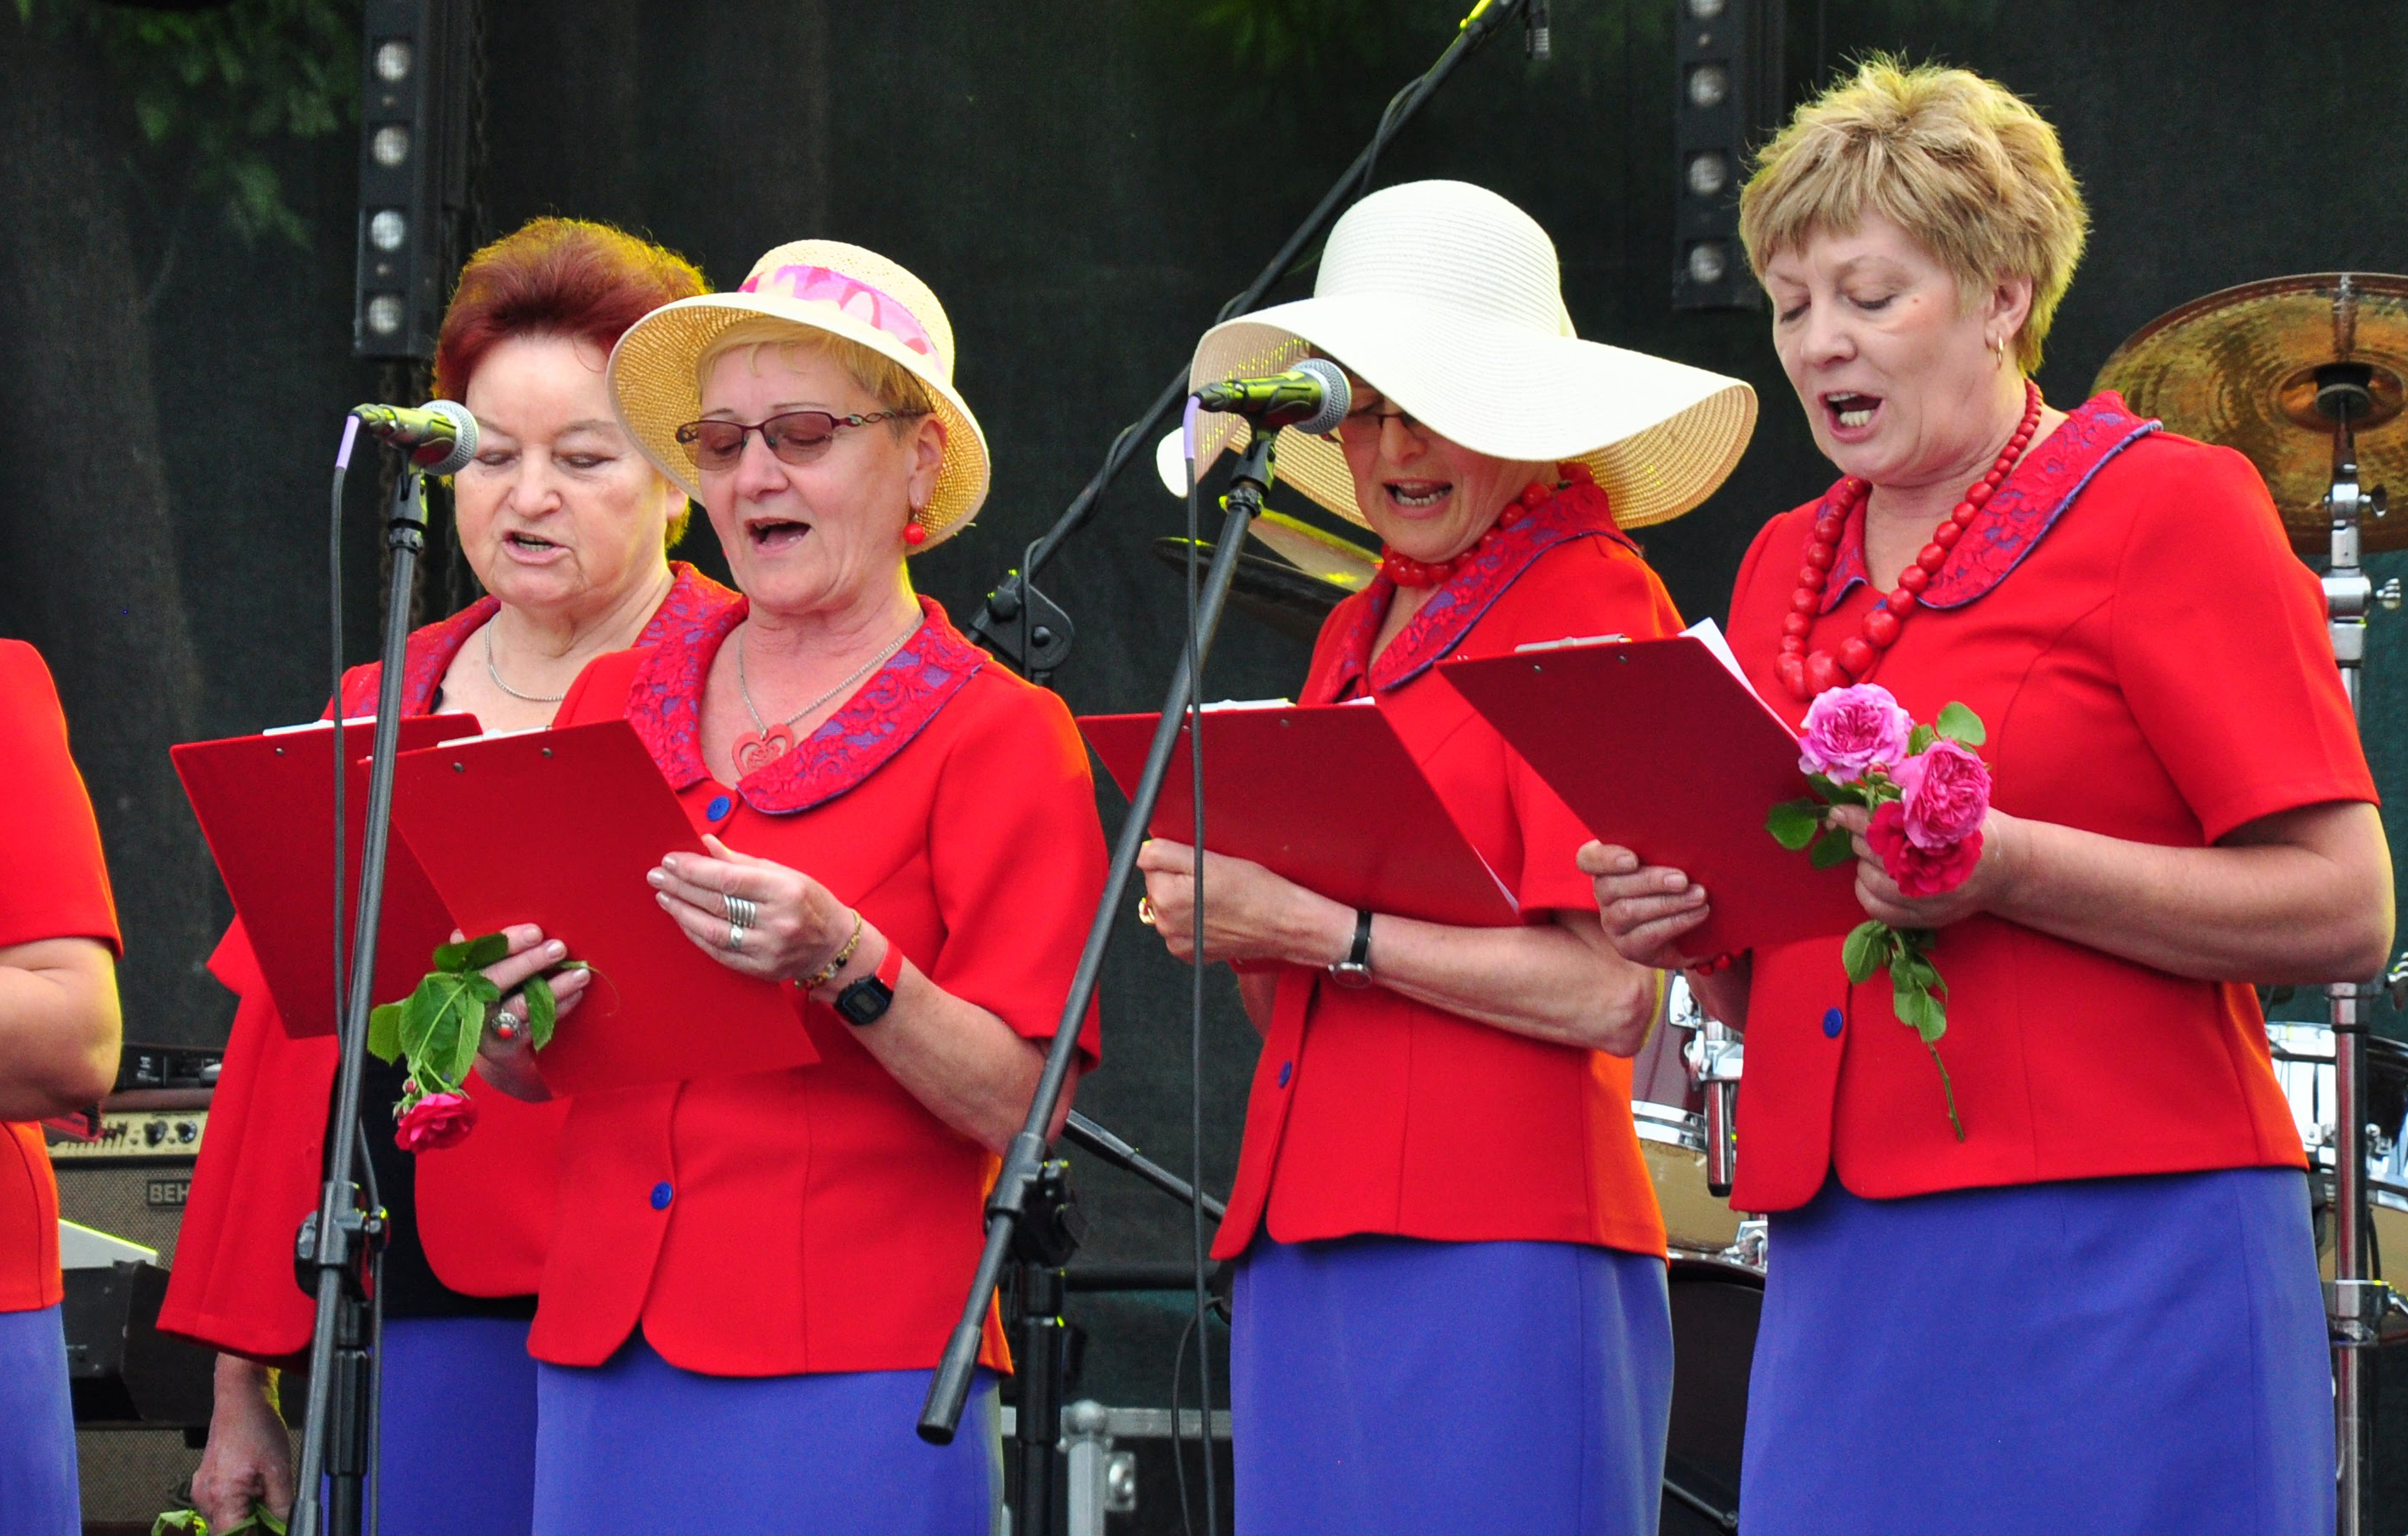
{"x":568,"y":531}
{"x":1451,"y":1309}
{"x":753,"y":1274}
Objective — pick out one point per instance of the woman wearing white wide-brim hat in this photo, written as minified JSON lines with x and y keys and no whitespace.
{"x":753,"y":1275}
{"x":1451,"y":1309}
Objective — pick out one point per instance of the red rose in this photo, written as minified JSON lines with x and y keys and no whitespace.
{"x":435,"y":1122}
{"x":1919,"y":871}
{"x":1946,"y":791}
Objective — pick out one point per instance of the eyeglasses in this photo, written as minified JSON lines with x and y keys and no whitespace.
{"x":1363,"y":424}
{"x":798,"y":436}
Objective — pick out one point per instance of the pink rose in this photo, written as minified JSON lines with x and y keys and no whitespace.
{"x":435,"y":1122}
{"x":1919,"y":871}
{"x":1850,"y":730}
{"x":1946,"y":791}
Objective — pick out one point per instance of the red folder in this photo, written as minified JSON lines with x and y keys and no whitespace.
{"x":1659,"y":748}
{"x":558,"y":828}
{"x":267,"y":805}
{"x":1325,"y":795}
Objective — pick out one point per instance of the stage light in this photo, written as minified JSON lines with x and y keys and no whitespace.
{"x":1728,"y":61}
{"x":417,"y":65}
{"x":385,"y":314}
{"x":392,"y":61}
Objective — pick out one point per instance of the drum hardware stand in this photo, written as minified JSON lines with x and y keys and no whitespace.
{"x":1714,"y":1055}
{"x":2355,"y":1304}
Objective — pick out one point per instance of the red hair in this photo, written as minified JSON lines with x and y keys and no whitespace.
{"x":557,"y":277}
{"x":554,"y":277}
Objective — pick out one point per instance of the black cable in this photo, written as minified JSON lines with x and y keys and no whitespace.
{"x":335,"y":691}
{"x":1179,"y":1441}
{"x":1195,"y":1004}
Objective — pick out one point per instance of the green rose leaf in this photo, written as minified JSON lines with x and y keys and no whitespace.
{"x":1918,"y":1007}
{"x":1866,"y":950}
{"x":1831,"y":850}
{"x":384,"y":1031}
{"x":451,"y":956}
{"x":542,"y":1011}
{"x":1825,"y":786}
{"x":1920,"y":738}
{"x":1962,"y":725}
{"x":418,"y":1012}
{"x":1793,"y":824}
{"x":486,"y":949}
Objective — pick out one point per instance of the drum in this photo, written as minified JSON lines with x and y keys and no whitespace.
{"x":1669,"y":1110}
{"x":1716,"y":1305}
{"x":2303,"y":1065}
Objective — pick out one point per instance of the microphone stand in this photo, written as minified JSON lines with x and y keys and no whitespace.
{"x":339,"y":1242}
{"x":1020,"y":624}
{"x":1031,"y":1192}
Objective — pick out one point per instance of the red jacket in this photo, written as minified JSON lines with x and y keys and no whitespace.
{"x":2151,"y":662}
{"x":820,"y":1218}
{"x":52,"y":885}
{"x":484,"y":1206}
{"x":1373,"y":1112}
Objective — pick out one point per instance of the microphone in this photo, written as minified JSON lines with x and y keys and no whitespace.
{"x":1311,"y":397}
{"x":439,"y":436}
{"x":1536,"y":41}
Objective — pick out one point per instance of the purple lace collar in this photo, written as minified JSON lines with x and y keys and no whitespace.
{"x":1577,"y":510}
{"x":664,"y":707}
{"x":2035,"y":493}
{"x":434,"y":646}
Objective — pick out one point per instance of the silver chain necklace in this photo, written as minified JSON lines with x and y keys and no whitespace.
{"x":494,"y":673}
{"x":761,"y":728}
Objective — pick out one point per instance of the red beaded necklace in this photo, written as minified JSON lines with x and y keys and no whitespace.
{"x":1406,"y":571}
{"x":1805,"y":674}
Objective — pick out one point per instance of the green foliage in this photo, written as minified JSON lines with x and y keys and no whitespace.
{"x":438,"y":1026}
{"x":1793,"y":824}
{"x":1962,"y":725}
{"x":211,"y":90}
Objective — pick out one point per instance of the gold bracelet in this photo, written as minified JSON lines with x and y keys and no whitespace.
{"x":826,"y":974}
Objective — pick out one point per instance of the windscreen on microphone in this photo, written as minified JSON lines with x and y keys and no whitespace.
{"x":439,"y":436}
{"x":1313,"y":397}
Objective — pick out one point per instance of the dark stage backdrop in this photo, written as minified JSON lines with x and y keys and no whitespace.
{"x":1083,"y":185}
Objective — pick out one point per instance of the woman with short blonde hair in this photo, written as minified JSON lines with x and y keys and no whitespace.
{"x":2098,"y":1309}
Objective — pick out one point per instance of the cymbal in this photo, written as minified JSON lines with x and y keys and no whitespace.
{"x":1291,"y":601}
{"x":2241,"y":368}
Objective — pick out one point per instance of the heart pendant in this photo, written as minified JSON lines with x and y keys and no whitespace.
{"x":758,"y":750}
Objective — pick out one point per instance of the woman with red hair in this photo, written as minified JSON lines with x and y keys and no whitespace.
{"x":568,"y":528}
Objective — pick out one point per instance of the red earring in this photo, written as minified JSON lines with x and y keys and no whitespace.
{"x":914,"y":534}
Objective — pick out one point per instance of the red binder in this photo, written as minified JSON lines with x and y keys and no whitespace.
{"x":1325,"y":795}
{"x":558,"y":828}
{"x":1659,"y":748}
{"x":267,"y":805}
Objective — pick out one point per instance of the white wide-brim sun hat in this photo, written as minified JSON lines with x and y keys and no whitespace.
{"x":1445,"y":298}
{"x":823,"y":285}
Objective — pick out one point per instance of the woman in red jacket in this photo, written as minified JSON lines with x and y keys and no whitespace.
{"x":58,"y":1053}
{"x":566,"y":527}
{"x":2100,"y":1308}
{"x":1451,"y":1309}
{"x":752,"y":1274}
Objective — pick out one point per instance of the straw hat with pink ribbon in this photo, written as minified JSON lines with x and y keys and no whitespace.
{"x":820,"y":286}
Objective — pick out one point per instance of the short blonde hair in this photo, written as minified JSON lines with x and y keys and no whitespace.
{"x":1961,"y":163}
{"x":893,"y":385}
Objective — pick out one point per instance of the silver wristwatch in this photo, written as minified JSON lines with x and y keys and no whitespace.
{"x":1355,"y":970}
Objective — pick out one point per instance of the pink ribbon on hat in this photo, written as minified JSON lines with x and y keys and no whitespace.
{"x":849,"y":295}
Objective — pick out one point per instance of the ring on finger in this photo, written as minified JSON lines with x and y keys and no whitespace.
{"x":1145,"y":912}
{"x":742,"y":913}
{"x":505,"y":1025}
{"x":735,"y":936}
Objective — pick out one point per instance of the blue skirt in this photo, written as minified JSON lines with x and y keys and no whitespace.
{"x":636,"y":1445}
{"x":37,"y":1446}
{"x":2117,"y":1355}
{"x":455,"y":1426}
{"x":1385,"y":1384}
